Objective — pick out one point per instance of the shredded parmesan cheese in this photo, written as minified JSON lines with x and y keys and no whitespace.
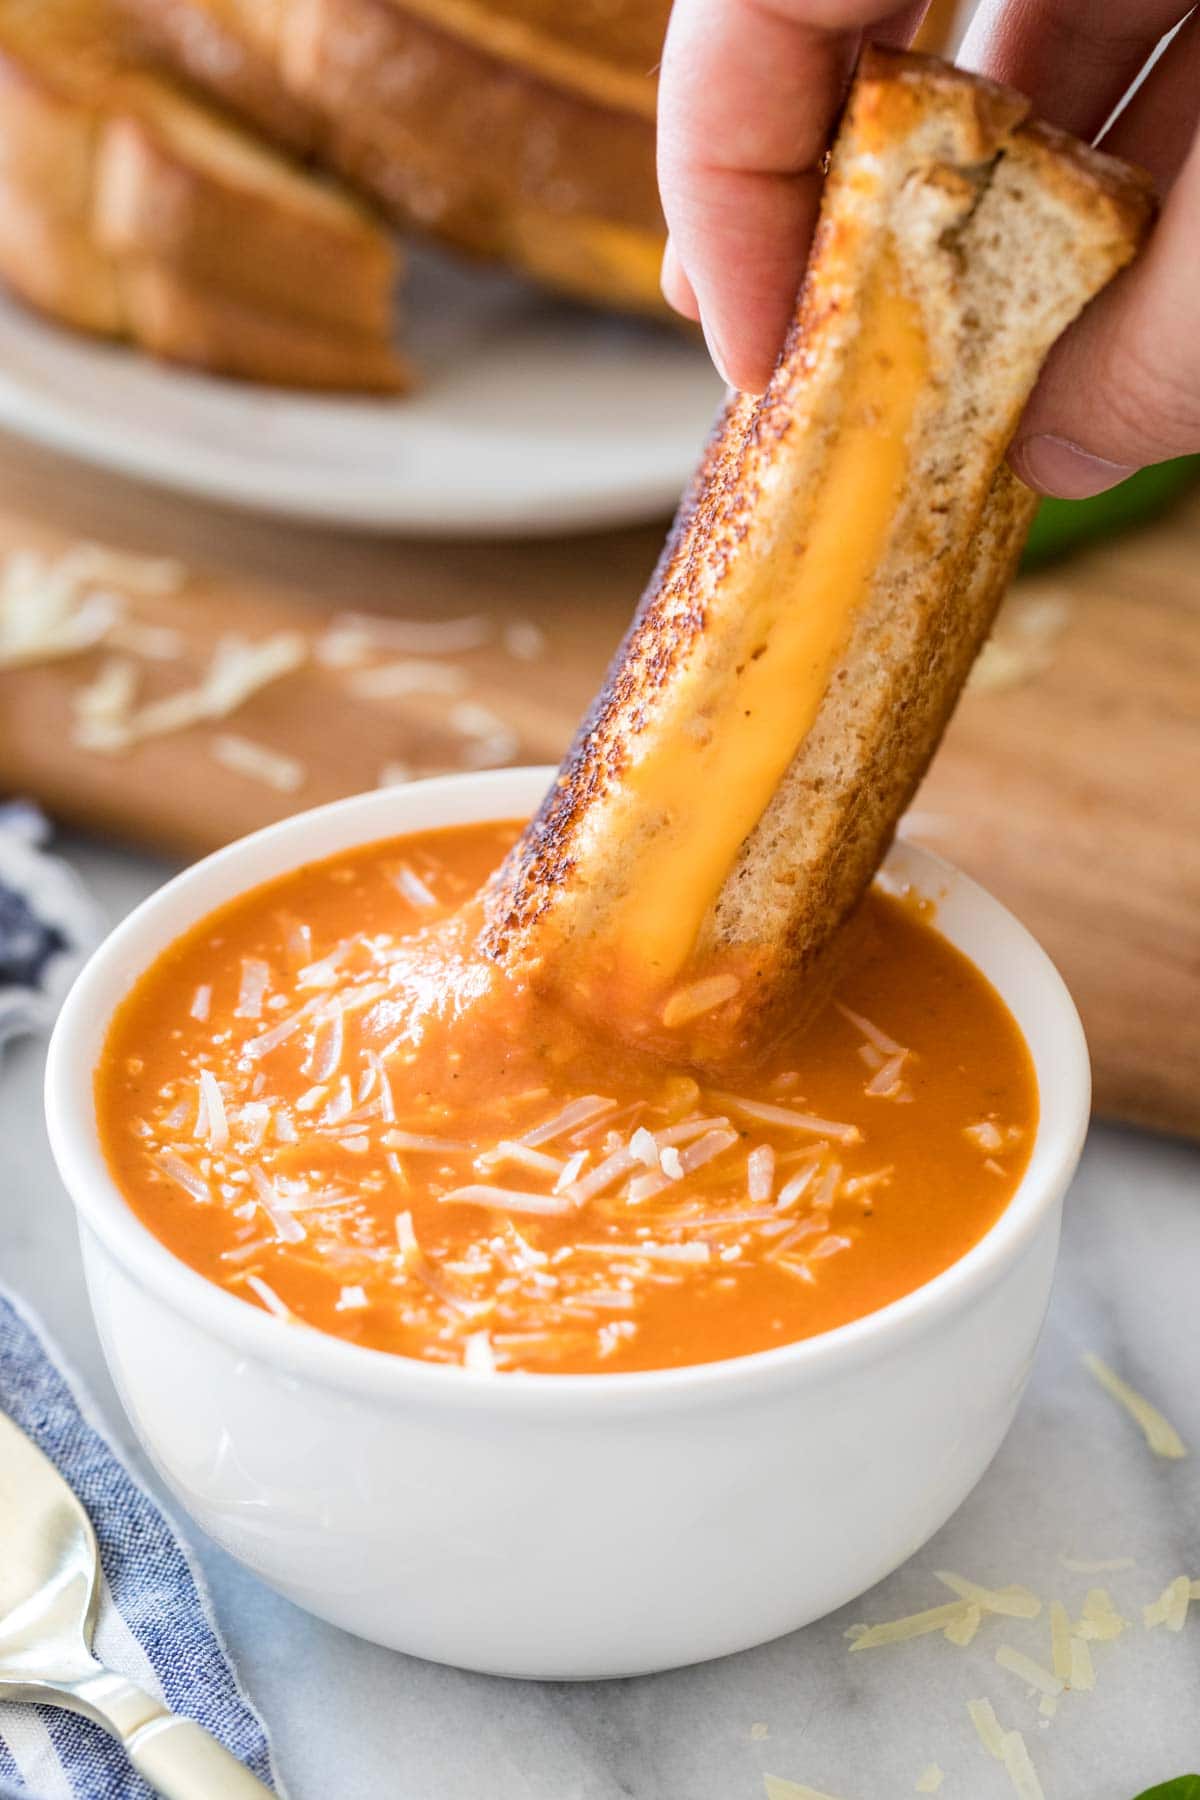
{"x":410,"y":887}
{"x":760,"y":1173}
{"x":1159,"y":1433}
{"x":501,"y":1199}
{"x":1030,"y":1672}
{"x":929,"y":1781}
{"x":899,"y":1631}
{"x":987,"y":1725}
{"x":1111,"y":1565}
{"x":779,"y":1789}
{"x":258,"y":763}
{"x":1012,"y":1602}
{"x":152,"y":576}
{"x":1101,"y":1622}
{"x":794,"y":1121}
{"x":396,"y":680}
{"x":1083,"y":1675}
{"x":1024,"y":643}
{"x":986,"y":1135}
{"x":478,"y":1353}
{"x":524,"y":640}
{"x":269,"y":1297}
{"x":211,"y":1122}
{"x":1171,"y":1607}
{"x":1020,"y":1770}
{"x":256,"y":979}
{"x":1060,"y":1640}
{"x":237,"y":669}
{"x":184,"y":1176}
{"x":963,"y":1630}
{"x":353,"y":636}
{"x":49,"y":610}
{"x":578,"y":1112}
{"x":701,"y":997}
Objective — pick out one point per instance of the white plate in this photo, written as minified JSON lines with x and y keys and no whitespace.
{"x":531,"y":417}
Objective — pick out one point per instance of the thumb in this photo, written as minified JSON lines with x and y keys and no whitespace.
{"x":1122,"y":387}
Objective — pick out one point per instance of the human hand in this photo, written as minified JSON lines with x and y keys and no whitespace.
{"x":747,"y":99}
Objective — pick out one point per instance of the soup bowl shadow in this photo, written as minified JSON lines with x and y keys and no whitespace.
{"x":564,"y":1526}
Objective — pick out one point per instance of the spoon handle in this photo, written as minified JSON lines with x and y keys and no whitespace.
{"x":182,"y":1762}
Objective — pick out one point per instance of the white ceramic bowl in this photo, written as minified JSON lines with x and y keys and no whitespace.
{"x":564,"y":1525}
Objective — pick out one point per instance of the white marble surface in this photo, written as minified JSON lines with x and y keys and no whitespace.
{"x":352,"y":1722}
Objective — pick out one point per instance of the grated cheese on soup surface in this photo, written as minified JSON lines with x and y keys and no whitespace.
{"x":323,"y":1102}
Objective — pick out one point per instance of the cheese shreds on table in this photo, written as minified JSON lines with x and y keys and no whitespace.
{"x":1010,"y":1602}
{"x":1030,"y":1672}
{"x":778,"y":1789}
{"x":57,"y":607}
{"x":258,"y":762}
{"x":154,"y":576}
{"x":1111,"y":1565}
{"x":1015,"y":1756}
{"x":108,"y":699}
{"x":1023,"y":643}
{"x":1083,"y":1674}
{"x":1101,"y":1621}
{"x":1171,"y":1607}
{"x":930,"y":1780}
{"x":914,"y":1625}
{"x":987,"y":1726}
{"x":352,"y":637}
{"x":398,"y":680}
{"x":1159,"y":1433}
{"x":1060,"y":1640}
{"x":237,"y":669}
{"x":963,"y":1630}
{"x":1008,"y":1747}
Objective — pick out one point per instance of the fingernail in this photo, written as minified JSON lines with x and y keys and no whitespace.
{"x":669,"y":273}
{"x":714,"y":350}
{"x":1054,"y":465}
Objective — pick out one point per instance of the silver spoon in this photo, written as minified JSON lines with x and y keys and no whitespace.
{"x":49,"y":1596}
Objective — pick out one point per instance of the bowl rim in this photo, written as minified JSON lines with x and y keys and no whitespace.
{"x":1064,"y":1088}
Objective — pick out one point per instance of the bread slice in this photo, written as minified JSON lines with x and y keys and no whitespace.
{"x":215,"y":332}
{"x":112,"y":173}
{"x":229,"y":48}
{"x":516,"y":129}
{"x":177,"y":185}
{"x":54,"y":267}
{"x":830,"y":578}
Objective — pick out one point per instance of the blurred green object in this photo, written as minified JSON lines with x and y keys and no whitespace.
{"x":1063,"y":525}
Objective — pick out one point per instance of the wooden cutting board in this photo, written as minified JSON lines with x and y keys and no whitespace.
{"x":1069,"y":782}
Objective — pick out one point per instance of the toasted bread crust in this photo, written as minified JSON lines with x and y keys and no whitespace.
{"x":1000,"y":232}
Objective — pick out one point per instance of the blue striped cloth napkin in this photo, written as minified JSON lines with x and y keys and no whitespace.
{"x":155,"y":1623}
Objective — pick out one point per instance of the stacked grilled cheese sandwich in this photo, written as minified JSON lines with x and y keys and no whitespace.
{"x":521,"y":130}
{"x":130,"y":209}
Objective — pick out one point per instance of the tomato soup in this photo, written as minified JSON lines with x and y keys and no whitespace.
{"x":321,"y":1101}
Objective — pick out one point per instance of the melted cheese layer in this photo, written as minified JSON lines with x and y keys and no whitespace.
{"x":710,"y":787}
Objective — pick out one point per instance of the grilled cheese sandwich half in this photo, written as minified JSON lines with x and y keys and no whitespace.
{"x":829,"y":579}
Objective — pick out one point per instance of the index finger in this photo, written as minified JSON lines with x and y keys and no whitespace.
{"x":748,"y":95}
